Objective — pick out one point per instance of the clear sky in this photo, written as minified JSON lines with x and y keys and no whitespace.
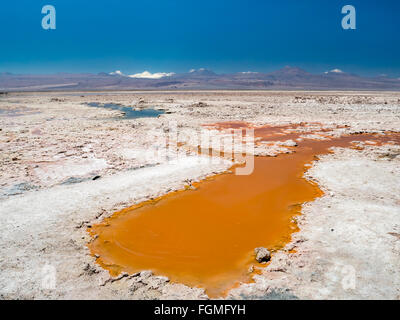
{"x":178,"y":35}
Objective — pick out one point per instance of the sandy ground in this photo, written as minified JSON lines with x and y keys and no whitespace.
{"x":65,"y":165}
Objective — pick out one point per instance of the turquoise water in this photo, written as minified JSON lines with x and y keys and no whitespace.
{"x":129,"y":113}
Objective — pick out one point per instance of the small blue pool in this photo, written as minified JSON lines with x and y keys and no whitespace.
{"x":129,"y":113}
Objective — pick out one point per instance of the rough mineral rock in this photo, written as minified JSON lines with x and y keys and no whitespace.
{"x":262,"y":254}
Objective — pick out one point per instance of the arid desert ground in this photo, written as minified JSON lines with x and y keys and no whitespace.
{"x":66,"y":166}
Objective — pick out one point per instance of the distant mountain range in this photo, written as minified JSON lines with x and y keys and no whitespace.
{"x":287,"y":78}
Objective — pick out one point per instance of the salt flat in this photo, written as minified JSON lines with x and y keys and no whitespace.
{"x":65,"y":165}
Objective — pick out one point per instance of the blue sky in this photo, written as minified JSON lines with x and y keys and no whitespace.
{"x":178,"y":35}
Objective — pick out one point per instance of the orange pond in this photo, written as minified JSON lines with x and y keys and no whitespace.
{"x":206,"y":237}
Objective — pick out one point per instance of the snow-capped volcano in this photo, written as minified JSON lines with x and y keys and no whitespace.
{"x":143,"y":75}
{"x":334,"y":71}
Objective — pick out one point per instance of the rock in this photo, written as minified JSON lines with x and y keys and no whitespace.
{"x":262,"y":254}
